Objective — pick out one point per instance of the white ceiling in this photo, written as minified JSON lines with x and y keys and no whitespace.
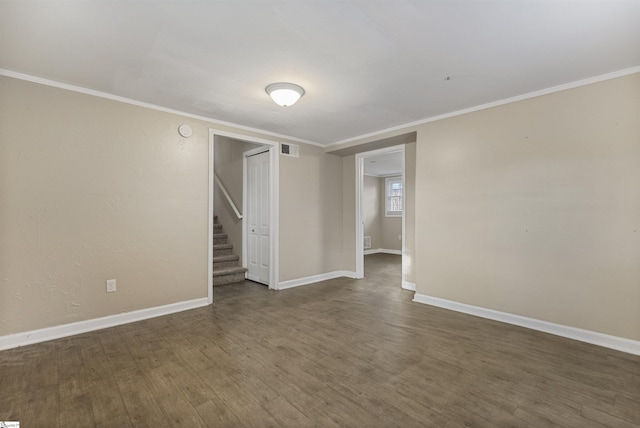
{"x":365,"y":65}
{"x":384,"y":164}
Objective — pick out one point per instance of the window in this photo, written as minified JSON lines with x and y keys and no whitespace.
{"x":394,"y":196}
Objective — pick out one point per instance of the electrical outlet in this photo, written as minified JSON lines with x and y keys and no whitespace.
{"x":111,"y":285}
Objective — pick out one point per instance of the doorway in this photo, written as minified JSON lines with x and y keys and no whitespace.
{"x":271,"y":149}
{"x":380,"y":213}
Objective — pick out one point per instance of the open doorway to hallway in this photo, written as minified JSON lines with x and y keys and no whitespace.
{"x":380,"y":213}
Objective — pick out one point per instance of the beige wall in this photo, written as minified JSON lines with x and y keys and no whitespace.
{"x":90,"y":190}
{"x":533,"y":208}
{"x":371,"y":210}
{"x":390,"y":227}
{"x":349,"y":213}
{"x":310,"y":214}
{"x":408,"y":267}
{"x":390,"y":232}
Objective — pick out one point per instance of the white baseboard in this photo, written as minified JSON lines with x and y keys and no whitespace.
{"x":315,"y":278}
{"x":382,"y":250}
{"x":65,"y":330}
{"x":595,"y":338}
{"x":408,"y":285}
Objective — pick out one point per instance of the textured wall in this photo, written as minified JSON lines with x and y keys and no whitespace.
{"x":371,"y":213}
{"x":310,"y":214}
{"x":93,"y":189}
{"x":349,"y":213}
{"x":533,"y":208}
{"x":390,"y":227}
{"x":408,"y":267}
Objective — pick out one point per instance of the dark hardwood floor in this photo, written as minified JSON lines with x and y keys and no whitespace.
{"x":339,"y":353}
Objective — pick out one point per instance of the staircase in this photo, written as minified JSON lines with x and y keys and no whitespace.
{"x":226,"y":268}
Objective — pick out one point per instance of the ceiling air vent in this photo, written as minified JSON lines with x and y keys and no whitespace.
{"x":289,"y":150}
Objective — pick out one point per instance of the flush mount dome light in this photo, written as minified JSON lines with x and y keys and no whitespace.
{"x":284,"y":94}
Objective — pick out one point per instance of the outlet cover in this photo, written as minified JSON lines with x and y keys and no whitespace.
{"x":111,"y":285}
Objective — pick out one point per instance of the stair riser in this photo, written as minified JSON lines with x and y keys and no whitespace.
{"x":217,"y":241}
{"x":220,"y":265}
{"x":228,"y":279}
{"x":217,"y":228}
{"x":222,"y":252}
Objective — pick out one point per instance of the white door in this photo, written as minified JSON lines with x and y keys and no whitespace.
{"x":258,"y":217}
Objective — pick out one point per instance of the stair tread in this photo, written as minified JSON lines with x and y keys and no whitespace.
{"x":229,"y":270}
{"x":220,"y":235}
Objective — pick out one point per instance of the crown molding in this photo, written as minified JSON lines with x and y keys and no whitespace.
{"x":547,"y":91}
{"x":403,"y":127}
{"x":108,"y":96}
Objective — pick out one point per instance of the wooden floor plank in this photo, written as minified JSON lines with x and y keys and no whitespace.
{"x":108,"y":404}
{"x":173,"y":403}
{"x":142,"y":407}
{"x":216,"y":413}
{"x":42,"y":408}
{"x":76,"y":410}
{"x":245,"y":397}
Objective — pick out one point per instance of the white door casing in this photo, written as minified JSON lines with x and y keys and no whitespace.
{"x":257,"y":214}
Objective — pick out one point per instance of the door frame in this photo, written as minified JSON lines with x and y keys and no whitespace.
{"x":274,"y":247}
{"x":360,"y":157}
{"x":245,"y":187}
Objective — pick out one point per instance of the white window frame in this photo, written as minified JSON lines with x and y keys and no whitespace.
{"x":388,"y":181}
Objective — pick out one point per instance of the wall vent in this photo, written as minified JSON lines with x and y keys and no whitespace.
{"x":290,"y":150}
{"x":367,"y":242}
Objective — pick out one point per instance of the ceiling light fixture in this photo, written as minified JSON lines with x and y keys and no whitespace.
{"x":284,"y":94}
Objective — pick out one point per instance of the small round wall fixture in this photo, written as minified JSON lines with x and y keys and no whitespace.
{"x":185,"y":131}
{"x":285,"y":94}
